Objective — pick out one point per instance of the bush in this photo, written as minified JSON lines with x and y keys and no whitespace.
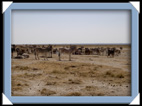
{"x":120,"y":76}
{"x":115,"y":74}
{"x":74,"y":94}
{"x":75,"y":81}
{"x":59,"y":72}
{"x":108,"y":73}
{"x":50,"y":83}
{"x":22,"y":67}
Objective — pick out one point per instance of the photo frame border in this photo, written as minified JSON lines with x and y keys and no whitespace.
{"x":72,"y":99}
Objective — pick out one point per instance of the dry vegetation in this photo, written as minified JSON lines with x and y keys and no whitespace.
{"x":85,"y":75}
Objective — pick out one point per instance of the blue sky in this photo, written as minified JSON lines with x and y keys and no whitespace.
{"x":70,"y":26}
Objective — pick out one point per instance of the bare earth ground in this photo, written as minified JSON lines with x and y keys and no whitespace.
{"x":85,"y":75}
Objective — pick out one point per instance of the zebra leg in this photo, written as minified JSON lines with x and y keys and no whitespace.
{"x":59,"y":58}
{"x":108,"y":55}
{"x":69,"y":56}
{"x":38,"y":57}
{"x":35,"y":57}
{"x":51,"y":54}
{"x":46,"y":56}
{"x":59,"y":55}
{"x":12,"y":54}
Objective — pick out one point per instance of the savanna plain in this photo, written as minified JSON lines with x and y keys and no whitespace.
{"x":84,"y":75}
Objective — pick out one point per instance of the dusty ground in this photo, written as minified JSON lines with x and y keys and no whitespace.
{"x":85,"y":75}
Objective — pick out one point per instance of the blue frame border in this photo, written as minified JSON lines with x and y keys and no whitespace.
{"x":65,"y":99}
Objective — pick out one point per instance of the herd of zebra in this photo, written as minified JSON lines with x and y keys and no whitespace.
{"x":72,"y":50}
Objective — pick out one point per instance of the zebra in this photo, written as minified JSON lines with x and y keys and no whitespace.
{"x":21,"y":51}
{"x":87,"y":51}
{"x":55,"y":51}
{"x":96,"y":51}
{"x":102,"y":51}
{"x":13,"y":48}
{"x":111,"y":52}
{"x":121,"y":48}
{"x":67,"y":50}
{"x":44,"y":51}
{"x":78,"y":51}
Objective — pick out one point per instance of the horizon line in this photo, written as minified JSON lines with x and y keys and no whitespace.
{"x":78,"y":44}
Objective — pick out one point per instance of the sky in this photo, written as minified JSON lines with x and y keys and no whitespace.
{"x":70,"y":26}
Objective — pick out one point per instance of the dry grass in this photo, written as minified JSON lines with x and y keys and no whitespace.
{"x":17,"y":88}
{"x":96,"y":94}
{"x":21,"y":67}
{"x":92,"y":91}
{"x":47,"y":92}
{"x":35,"y":69}
{"x":91,"y":88}
{"x":32,"y":74}
{"x":51,"y":83}
{"x":74,"y":81}
{"x":85,"y":75}
{"x":117,"y":74}
{"x":18,"y":85}
{"x":55,"y":71}
{"x":73,"y":94}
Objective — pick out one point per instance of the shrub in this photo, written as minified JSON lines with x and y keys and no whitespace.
{"x":75,"y":81}
{"x":50,"y":83}
{"x":66,"y":68}
{"x":59,"y":72}
{"x":108,"y":73}
{"x":74,"y":94}
{"x":120,"y":76}
{"x":55,"y":71}
{"x":22,"y":67}
{"x":100,"y":94}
